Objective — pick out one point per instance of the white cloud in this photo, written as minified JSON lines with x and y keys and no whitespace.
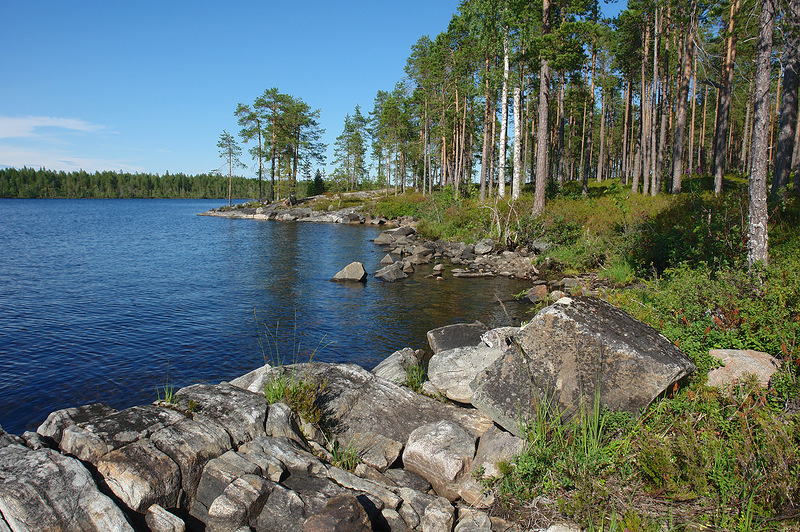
{"x":59,"y":160}
{"x":11,"y":127}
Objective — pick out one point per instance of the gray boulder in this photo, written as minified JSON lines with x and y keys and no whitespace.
{"x":494,"y":447}
{"x":90,"y":440}
{"x":354,"y":272}
{"x":241,"y":413}
{"x":139,"y":475}
{"x":581,"y":346}
{"x":439,"y":517}
{"x":391,"y":273}
{"x":738,"y":363}
{"x":394,"y":367}
{"x":453,"y":370}
{"x":158,"y":519}
{"x":503,"y":392}
{"x":342,"y":513}
{"x":354,"y":399}
{"x":45,"y":490}
{"x":442,"y":453}
{"x":57,"y":421}
{"x":483,"y":247}
{"x":456,"y":335}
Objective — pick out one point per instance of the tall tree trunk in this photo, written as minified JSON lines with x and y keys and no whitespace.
{"x":626,"y":133}
{"x":488,"y":118}
{"x":724,"y":102}
{"x":788,"y":122}
{"x":602,"y":154}
{"x":680,"y":121}
{"x":658,"y":22}
{"x":588,"y":160}
{"x":516,"y":179}
{"x":501,"y":177}
{"x":757,"y":247}
{"x":643,"y":161}
{"x":747,"y":130}
{"x":693,"y":98}
{"x":561,"y":125}
{"x":542,"y":135}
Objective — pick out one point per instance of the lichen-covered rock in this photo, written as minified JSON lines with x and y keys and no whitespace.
{"x":439,"y":517}
{"x":57,"y":421}
{"x":394,"y":367}
{"x":441,"y":453}
{"x":241,"y":413}
{"x":45,"y":490}
{"x":494,"y":447}
{"x":503,"y":392}
{"x":239,"y":505}
{"x":90,"y":440}
{"x":581,"y":346}
{"x":353,"y":399}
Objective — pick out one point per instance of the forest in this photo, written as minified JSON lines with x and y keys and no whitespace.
{"x":43,"y":183}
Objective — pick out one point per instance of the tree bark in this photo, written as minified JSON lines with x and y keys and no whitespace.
{"x":788,"y":121}
{"x":590,"y":104}
{"x":757,"y":247}
{"x":626,"y":133}
{"x":542,"y":134}
{"x":516,"y":178}
{"x":680,"y":120}
{"x":561,"y":124}
{"x":724,"y":102}
{"x":501,"y":155}
{"x":747,"y":129}
{"x":487,"y":118}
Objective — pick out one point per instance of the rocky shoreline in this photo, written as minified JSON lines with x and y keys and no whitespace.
{"x":221,"y":458}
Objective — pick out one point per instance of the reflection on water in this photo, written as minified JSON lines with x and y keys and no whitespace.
{"x":106,"y":300}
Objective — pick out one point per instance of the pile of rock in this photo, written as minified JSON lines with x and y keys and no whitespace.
{"x":483,"y":259}
{"x":218,"y":457}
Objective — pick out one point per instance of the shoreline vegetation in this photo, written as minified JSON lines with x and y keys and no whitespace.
{"x":677,"y":263}
{"x":701,"y":457}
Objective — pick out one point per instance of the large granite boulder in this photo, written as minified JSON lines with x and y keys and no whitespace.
{"x":504,"y":392}
{"x":738,"y":363}
{"x":354,"y":272}
{"x":53,"y":427}
{"x":342,"y":513}
{"x":453,"y":370}
{"x":90,"y":440}
{"x":353,"y":399}
{"x":582,"y":346}
{"x":456,"y":335}
{"x":45,"y":490}
{"x":442,"y":453}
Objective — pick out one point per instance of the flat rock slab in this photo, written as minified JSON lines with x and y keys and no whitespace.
{"x":242,"y":413}
{"x":45,"y":490}
{"x":456,"y":335}
{"x":581,"y":346}
{"x":739,"y":363}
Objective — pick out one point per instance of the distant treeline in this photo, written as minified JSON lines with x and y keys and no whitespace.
{"x":43,"y":183}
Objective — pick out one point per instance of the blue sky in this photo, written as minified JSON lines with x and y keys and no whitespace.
{"x":148,"y":86}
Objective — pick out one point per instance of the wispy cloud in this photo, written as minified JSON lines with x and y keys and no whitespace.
{"x":19,"y":127}
{"x":59,"y":160}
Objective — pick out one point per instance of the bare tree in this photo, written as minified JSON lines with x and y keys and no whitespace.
{"x":757,"y":224}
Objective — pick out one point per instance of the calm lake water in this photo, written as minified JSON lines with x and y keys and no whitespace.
{"x":109,"y":300}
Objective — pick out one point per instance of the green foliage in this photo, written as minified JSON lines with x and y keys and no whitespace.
{"x":345,"y":457}
{"x":297,"y":391}
{"x":416,"y":375}
{"x":169,"y":393}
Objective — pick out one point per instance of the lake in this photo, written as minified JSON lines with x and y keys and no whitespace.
{"x":111,"y":300}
